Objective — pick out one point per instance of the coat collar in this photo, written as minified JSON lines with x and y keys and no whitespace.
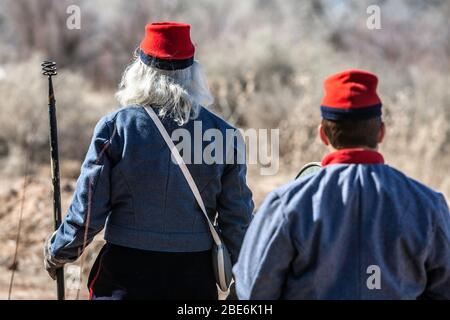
{"x":355,"y":156}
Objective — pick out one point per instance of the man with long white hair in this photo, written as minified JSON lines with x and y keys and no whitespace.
{"x":158,"y":243}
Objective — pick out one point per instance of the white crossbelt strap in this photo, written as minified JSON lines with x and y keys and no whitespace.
{"x":185,"y":171}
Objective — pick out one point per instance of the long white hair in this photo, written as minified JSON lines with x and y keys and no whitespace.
{"x":177,"y":94}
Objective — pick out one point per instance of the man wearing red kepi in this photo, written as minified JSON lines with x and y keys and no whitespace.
{"x":159,"y":243}
{"x":355,"y":229}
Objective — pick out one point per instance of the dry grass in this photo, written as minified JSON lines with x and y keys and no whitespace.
{"x":265,"y":72}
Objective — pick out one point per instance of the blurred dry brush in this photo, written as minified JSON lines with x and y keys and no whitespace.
{"x":25,"y":119}
{"x":265,"y":60}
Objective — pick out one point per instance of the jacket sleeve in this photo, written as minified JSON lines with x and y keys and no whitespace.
{"x":438,"y":262}
{"x":90,"y":204}
{"x":234,"y":206}
{"x":266,"y":254}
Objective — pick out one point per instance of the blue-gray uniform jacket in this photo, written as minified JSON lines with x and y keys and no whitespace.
{"x":348,"y":231}
{"x":129,"y":183}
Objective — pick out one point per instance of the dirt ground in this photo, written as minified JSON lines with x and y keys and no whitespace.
{"x":30,"y":279}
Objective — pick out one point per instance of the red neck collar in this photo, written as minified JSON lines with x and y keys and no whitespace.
{"x":356,"y":155}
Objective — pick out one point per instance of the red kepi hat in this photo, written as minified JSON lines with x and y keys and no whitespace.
{"x":167,"y":46}
{"x":351,"y":94}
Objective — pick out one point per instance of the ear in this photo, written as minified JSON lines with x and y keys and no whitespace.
{"x":381,"y":133}
{"x":323,"y":136}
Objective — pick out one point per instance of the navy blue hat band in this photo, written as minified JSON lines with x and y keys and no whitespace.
{"x":165,"y":64}
{"x":335,"y":114}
